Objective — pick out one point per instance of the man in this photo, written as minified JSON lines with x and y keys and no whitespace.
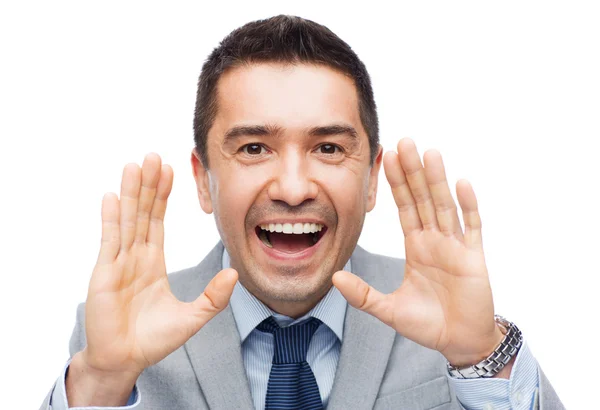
{"x":287,"y":311}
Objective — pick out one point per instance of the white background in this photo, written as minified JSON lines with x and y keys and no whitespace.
{"x":509,"y":92}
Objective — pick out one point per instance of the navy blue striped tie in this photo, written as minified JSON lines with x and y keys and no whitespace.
{"x":292,"y":384}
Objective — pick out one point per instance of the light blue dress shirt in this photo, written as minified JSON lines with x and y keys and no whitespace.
{"x":519,"y":392}
{"x":257,"y":347}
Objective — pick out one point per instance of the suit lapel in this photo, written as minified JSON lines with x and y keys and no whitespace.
{"x":215,"y":351}
{"x":216,"y":356}
{"x":367,"y":342}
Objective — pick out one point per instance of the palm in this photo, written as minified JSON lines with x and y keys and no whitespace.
{"x":132,"y":318}
{"x":123,"y":320}
{"x":442,"y":278}
{"x":445,"y":300}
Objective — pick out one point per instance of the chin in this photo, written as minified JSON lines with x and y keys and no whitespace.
{"x":291,"y":283}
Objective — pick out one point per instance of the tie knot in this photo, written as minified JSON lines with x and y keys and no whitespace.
{"x":291,"y":343}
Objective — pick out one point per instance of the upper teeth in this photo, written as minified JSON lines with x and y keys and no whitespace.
{"x":296,"y":228}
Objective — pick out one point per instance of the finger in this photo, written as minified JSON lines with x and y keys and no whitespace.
{"x":364,"y":297}
{"x":445,"y":207}
{"x":111,"y":241}
{"x":468,"y":203}
{"x":407,"y":209}
{"x":156,"y":230}
{"x":215,"y":297}
{"x":150,"y":176}
{"x":415,"y":175}
{"x":130,"y":191}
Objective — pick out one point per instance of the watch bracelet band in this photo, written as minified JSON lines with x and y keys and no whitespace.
{"x":489,"y":367}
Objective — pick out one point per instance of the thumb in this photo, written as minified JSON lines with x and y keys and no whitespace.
{"x":364,"y":297}
{"x":215,"y":297}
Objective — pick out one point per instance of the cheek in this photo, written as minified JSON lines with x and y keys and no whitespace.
{"x":235,"y":191}
{"x":346,"y":189}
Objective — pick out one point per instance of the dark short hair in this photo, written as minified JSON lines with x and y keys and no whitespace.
{"x":288,"y":40}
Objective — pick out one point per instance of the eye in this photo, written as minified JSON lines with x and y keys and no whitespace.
{"x":329,"y":149}
{"x":253,"y":149}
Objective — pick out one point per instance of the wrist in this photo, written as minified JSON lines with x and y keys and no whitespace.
{"x":88,"y":386}
{"x":495,"y":364}
{"x":473,"y":358}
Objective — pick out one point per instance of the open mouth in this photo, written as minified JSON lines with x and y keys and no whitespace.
{"x":290,"y":238}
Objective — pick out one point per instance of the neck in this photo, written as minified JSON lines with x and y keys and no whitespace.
{"x":291,"y":308}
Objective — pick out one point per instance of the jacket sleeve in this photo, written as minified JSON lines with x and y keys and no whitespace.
{"x":55,"y":397}
{"x":548,"y":399}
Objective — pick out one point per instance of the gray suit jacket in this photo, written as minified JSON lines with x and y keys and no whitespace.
{"x":378,"y":368}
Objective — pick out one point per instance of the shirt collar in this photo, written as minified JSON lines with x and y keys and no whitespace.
{"x":248,"y":311}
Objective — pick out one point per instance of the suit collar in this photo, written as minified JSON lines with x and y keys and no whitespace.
{"x":215,"y":351}
{"x":216,"y":356}
{"x":367,"y":341}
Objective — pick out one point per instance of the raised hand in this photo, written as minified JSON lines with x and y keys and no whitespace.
{"x":445,"y":300}
{"x":132,"y":318}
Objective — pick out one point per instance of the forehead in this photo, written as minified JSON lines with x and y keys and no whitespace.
{"x":295,"y":96}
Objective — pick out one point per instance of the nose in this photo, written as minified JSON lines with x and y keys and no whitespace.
{"x":293,"y":183}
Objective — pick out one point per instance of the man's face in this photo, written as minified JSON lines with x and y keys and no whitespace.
{"x":289,"y":179}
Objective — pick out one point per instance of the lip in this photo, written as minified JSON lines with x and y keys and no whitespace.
{"x":290,"y":257}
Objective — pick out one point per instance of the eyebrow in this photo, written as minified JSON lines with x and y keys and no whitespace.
{"x":251,"y":130}
{"x":334,"y":129}
{"x":273,"y":130}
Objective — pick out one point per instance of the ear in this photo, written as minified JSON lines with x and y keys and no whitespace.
{"x":201,"y":176}
{"x":373,"y":178}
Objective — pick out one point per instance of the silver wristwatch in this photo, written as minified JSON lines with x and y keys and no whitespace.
{"x":489,"y":367}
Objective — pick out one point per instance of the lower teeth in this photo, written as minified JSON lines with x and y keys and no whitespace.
{"x":265,"y":239}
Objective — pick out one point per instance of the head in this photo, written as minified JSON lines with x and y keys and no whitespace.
{"x":286,"y":138}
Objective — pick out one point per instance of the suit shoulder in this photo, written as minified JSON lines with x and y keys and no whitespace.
{"x":388,"y":261}
{"x":187,"y":284}
{"x":182,"y":281}
{"x":182,"y":276}
{"x":382,"y":261}
{"x":384,"y":273}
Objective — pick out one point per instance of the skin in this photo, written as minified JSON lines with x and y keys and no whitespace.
{"x":132,"y":318}
{"x":289,"y":176}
